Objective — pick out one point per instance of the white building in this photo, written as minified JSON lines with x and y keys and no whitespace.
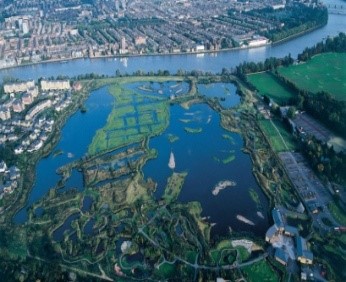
{"x":19,"y":150}
{"x":35,"y":146}
{"x":18,"y":87}
{"x":38,"y":108}
{"x":279,"y":6}
{"x":258,"y":41}
{"x":25,"y":26}
{"x":199,"y":48}
{"x":55,"y":85}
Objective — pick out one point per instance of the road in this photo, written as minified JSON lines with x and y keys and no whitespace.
{"x":197,"y":266}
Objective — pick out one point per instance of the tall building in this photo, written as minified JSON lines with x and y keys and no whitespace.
{"x":122,"y":49}
{"x":25,"y":27}
{"x":123,"y":43}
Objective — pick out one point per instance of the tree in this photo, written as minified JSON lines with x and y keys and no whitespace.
{"x":291,"y":113}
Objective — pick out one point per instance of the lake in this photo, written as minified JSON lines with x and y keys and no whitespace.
{"x":204,"y":149}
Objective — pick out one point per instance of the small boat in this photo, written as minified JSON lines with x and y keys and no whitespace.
{"x":171,"y":163}
{"x":244,"y":219}
{"x":260,"y":214}
{"x":70,"y":155}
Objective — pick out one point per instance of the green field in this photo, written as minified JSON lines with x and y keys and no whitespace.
{"x":324,"y":72}
{"x":286,"y":143}
{"x":260,"y":271}
{"x":267,"y":84}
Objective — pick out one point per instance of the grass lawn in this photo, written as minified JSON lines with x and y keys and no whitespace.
{"x":324,"y":72}
{"x":286,"y":143}
{"x":260,"y":271}
{"x":267,"y":84}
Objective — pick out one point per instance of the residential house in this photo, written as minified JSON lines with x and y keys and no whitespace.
{"x":304,"y":256}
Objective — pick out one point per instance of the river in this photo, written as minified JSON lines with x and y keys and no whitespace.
{"x":213,"y":62}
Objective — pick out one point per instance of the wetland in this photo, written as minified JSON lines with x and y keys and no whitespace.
{"x":116,"y":187}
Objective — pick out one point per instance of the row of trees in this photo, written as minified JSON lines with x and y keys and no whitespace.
{"x":335,"y":44}
{"x":325,"y":161}
{"x":328,"y":110}
{"x":271,"y":64}
{"x":295,"y":18}
{"x":322,"y":106}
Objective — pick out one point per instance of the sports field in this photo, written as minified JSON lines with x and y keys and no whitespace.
{"x":267,"y":84}
{"x":324,"y":72}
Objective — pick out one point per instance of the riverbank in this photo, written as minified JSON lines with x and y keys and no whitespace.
{"x":200,"y":52}
{"x":126,"y":56}
{"x":299,"y":34}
